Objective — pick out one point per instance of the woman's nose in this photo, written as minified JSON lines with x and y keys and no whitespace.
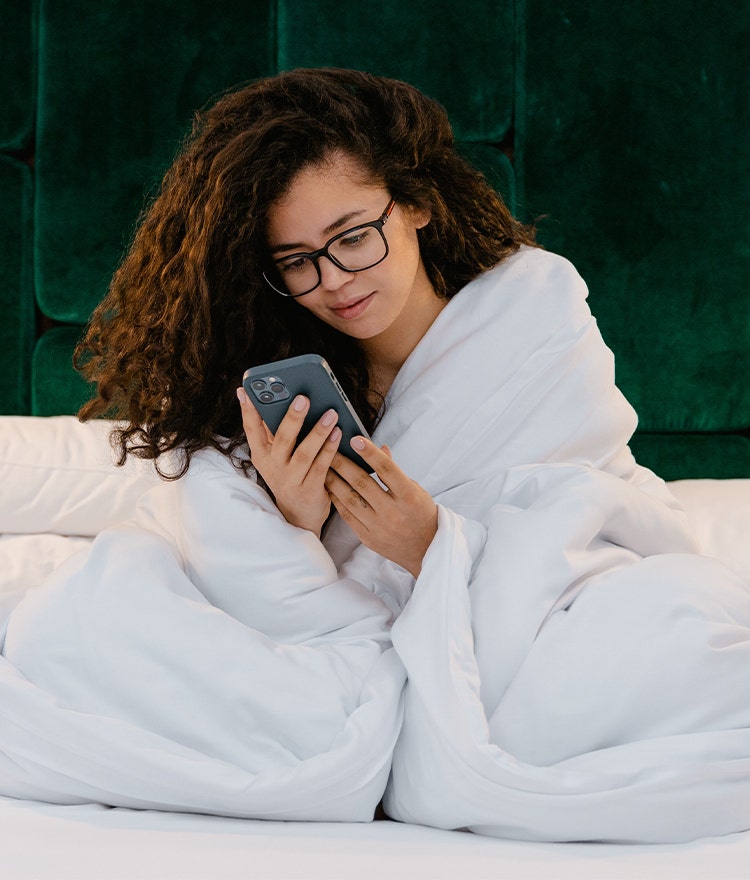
{"x":331,"y":276}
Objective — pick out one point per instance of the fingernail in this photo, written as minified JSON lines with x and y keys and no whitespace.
{"x":299,"y":403}
{"x":335,"y":435}
{"x":358,"y":443}
{"x":329,"y":418}
{"x":241,"y":396}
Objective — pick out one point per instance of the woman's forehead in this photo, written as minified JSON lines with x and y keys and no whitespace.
{"x":320,"y":195}
{"x":337,"y":167}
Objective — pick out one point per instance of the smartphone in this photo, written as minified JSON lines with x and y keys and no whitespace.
{"x":272,"y":387}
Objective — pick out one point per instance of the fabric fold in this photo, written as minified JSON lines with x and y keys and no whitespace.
{"x":455,"y":768}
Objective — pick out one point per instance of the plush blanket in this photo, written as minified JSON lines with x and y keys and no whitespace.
{"x":576,"y":670}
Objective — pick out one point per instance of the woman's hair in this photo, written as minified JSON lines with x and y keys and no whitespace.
{"x":188,"y":310}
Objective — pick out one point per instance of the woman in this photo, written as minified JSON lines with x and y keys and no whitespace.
{"x":268,"y":166}
{"x":575,"y":671}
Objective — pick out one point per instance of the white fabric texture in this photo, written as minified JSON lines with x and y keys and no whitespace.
{"x":89,"y":842}
{"x":57,"y":477}
{"x":719,"y":513}
{"x":203,"y":657}
{"x":576,"y":669}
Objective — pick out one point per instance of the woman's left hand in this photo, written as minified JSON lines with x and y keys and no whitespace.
{"x":398,"y":522}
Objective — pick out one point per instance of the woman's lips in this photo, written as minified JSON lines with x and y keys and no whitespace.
{"x":353,"y":309}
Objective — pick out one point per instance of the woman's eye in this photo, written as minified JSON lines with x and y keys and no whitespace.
{"x":296,"y":265}
{"x":355,"y":238}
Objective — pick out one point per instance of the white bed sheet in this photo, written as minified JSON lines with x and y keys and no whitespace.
{"x":48,"y":842}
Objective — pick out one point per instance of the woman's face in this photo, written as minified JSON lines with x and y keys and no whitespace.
{"x":380,"y":305}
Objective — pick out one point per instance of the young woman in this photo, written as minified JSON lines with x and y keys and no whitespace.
{"x":575,"y":669}
{"x":270,"y":171}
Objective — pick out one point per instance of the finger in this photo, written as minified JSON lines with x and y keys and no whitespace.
{"x":354,"y":509}
{"x":382,"y":463}
{"x":257,"y":432}
{"x":321,"y":464}
{"x":315,"y":441}
{"x":362,"y":482}
{"x":286,"y":435}
{"x":359,"y":529}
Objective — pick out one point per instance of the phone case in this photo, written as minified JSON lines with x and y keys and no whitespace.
{"x":272,"y":387}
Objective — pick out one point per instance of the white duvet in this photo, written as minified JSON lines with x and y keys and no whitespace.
{"x":576,"y":670}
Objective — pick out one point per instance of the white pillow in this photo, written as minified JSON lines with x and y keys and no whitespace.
{"x":719,"y":511}
{"x":57,"y":475}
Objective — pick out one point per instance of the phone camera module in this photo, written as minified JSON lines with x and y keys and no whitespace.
{"x":270,"y":389}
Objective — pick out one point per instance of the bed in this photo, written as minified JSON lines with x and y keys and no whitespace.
{"x":59,"y":488}
{"x":641,"y":180}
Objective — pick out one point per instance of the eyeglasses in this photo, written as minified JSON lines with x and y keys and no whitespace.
{"x":353,"y":250}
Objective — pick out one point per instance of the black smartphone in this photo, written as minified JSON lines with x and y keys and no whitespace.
{"x":272,"y":387}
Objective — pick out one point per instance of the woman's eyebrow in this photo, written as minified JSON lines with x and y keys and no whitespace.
{"x":342,"y":221}
{"x":333,"y":227}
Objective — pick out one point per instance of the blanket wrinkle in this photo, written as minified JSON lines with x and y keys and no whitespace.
{"x":210,"y":628}
{"x":452,"y":770}
{"x":303,"y":600}
{"x":83,"y":759}
{"x":576,"y":671}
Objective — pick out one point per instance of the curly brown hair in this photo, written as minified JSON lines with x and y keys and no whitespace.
{"x":188,"y":310}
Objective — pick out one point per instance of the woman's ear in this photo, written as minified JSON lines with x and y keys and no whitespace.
{"x":420,"y":216}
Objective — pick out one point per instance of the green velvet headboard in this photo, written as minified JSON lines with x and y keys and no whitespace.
{"x":626,"y":127}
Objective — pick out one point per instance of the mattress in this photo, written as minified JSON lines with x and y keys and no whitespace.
{"x":94,"y":843}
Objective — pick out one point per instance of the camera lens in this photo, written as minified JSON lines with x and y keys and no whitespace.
{"x":266,"y":397}
{"x":278,"y":387}
{"x":259,"y":384}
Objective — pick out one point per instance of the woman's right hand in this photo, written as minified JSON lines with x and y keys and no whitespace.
{"x":296,"y":477}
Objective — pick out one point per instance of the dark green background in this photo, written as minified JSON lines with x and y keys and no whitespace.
{"x":626,"y":127}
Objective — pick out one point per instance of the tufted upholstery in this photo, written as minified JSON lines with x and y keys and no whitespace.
{"x":638,"y":146}
{"x":626,"y":126}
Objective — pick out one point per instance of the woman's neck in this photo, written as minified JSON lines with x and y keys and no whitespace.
{"x":387,"y":352}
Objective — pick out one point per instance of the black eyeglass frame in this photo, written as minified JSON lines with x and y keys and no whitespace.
{"x":314,"y":256}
